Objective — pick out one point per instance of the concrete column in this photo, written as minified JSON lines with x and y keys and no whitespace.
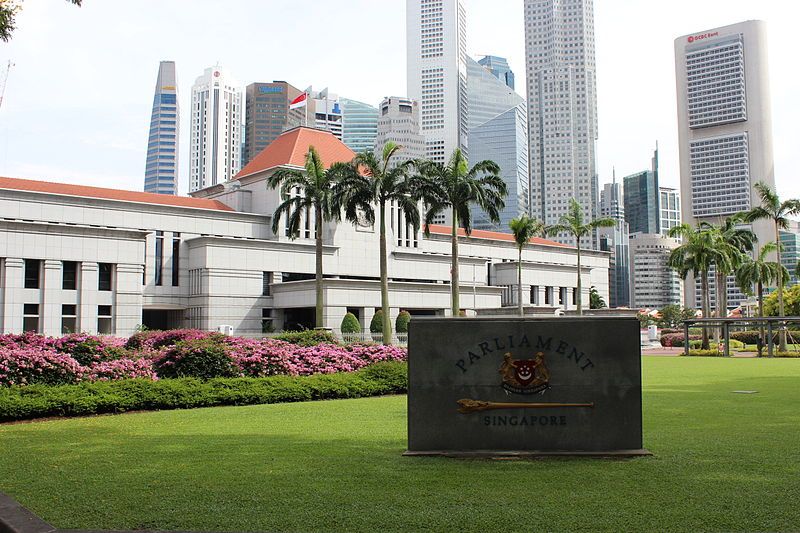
{"x":366,"y":317}
{"x":13,"y":297}
{"x":540,"y":295}
{"x":332,"y":317}
{"x":127,"y":310}
{"x":87,"y":298}
{"x":50,"y":311}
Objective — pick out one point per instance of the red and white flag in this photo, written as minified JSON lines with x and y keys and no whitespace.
{"x":300,"y":101}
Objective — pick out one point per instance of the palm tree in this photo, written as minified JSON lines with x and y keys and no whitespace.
{"x":697,"y":253}
{"x":573,"y":222}
{"x":303,"y":191}
{"x":734,"y":241}
{"x":759,"y":272}
{"x":370,"y":182}
{"x":773,"y":209}
{"x":455,"y":186}
{"x":524,"y":228}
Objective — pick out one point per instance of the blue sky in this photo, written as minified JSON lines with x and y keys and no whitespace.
{"x":77,"y":104}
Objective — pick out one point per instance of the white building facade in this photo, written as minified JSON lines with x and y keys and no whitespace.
{"x":653,"y":284}
{"x":76,"y":258}
{"x":215,"y":148}
{"x":562,"y":108}
{"x":669,"y":206}
{"x":724,"y":127}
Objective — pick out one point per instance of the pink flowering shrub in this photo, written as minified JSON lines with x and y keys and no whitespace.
{"x":28,"y":363}
{"x":120,"y":369}
{"x":30,"y":358}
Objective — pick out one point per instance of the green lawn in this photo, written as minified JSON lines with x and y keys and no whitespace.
{"x":723,"y":462}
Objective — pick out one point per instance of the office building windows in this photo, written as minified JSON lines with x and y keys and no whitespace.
{"x":32,"y":273}
{"x":69,"y":275}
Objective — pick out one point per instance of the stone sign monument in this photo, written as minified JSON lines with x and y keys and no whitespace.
{"x":508,"y":386}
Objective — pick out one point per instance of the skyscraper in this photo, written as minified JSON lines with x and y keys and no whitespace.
{"x":161,"y":168}
{"x":562,"y":108}
{"x":653,"y":284}
{"x":267,"y":115}
{"x":216,"y":128}
{"x":399,"y":122}
{"x":487,"y":96}
{"x":615,"y":240}
{"x":670,"y":206}
{"x":359,"y":125}
{"x":641,"y":200}
{"x":325,"y":112}
{"x":504,"y":140}
{"x":499,"y":68}
{"x":437,"y":73}
{"x":724,"y":126}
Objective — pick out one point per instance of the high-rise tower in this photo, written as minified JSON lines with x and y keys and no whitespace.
{"x":216,"y":129}
{"x":499,"y":68}
{"x":437,"y":73}
{"x":562,"y":107}
{"x":161,"y":168}
{"x":724,"y":127}
{"x":267,"y":115}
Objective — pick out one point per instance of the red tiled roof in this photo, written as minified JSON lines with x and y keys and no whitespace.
{"x":492,"y":235}
{"x":291,"y":146}
{"x":68,"y":189}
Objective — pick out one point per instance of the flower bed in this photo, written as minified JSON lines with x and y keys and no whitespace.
{"x":34,"y":359}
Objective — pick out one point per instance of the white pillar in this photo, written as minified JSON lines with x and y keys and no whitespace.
{"x":87,"y":321}
{"x":332,"y":317}
{"x":127,"y":311}
{"x":13,"y":295}
{"x":50,"y":312}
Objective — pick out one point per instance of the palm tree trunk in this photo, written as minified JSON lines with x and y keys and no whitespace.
{"x":760,"y":315}
{"x":318,"y":276}
{"x":387,"y":324}
{"x":782,"y":331}
{"x":706,"y":305}
{"x":454,"y":303}
{"x":580,"y":287}
{"x":519,"y":284}
{"x":720,"y":279}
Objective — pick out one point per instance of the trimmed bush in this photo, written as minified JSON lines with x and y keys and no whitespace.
{"x":401,"y":324}
{"x":350,"y":324}
{"x":200,"y":358}
{"x":751,"y":336}
{"x":308,"y":337}
{"x":705,"y":353}
{"x":36,"y":401}
{"x":667,"y":331}
{"x":376,"y":324}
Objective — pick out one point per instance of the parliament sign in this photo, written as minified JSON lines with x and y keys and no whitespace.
{"x":507,"y":386}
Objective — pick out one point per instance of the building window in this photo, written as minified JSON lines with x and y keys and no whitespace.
{"x":266,"y":281}
{"x":69,"y":319}
{"x":69,"y":276}
{"x":562,"y":296}
{"x":32,"y":273}
{"x":176,"y":259}
{"x":534,"y":299}
{"x":104,"y":276}
{"x":159,"y":278}
{"x":575,"y":295}
{"x":548,"y":295}
{"x":30,"y":318}
{"x":104,"y":319}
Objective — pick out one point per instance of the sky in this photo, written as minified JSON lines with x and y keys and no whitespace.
{"x":78,"y":99}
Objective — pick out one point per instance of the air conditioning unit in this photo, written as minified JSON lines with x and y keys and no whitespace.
{"x":225,"y":329}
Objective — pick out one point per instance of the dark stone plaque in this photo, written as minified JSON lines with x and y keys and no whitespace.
{"x":498,"y":386}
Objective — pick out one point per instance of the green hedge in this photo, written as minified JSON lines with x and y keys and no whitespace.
{"x":36,"y":401}
{"x":308,"y":337}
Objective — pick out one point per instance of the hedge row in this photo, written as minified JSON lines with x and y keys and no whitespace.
{"x":36,"y":401}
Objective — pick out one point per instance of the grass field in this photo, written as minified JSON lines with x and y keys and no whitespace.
{"x":723,"y":462}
